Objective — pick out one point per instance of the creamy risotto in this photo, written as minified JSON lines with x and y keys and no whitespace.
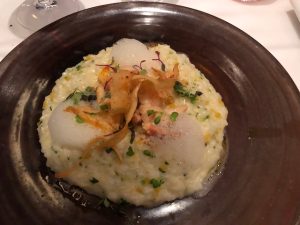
{"x":133,"y":123}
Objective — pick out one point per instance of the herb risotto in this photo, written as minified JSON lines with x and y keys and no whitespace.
{"x":134,"y":123}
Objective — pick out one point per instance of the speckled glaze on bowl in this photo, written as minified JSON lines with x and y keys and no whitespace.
{"x":261,"y":180}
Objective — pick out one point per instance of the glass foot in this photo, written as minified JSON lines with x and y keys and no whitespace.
{"x":33,"y":15}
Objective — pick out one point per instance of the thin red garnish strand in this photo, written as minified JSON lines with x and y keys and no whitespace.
{"x":109,"y":66}
{"x":163,"y":66}
{"x":139,"y":67}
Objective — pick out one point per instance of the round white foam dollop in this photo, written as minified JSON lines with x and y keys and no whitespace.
{"x":66,"y":132}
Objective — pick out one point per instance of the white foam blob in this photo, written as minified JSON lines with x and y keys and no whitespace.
{"x":129,"y":52}
{"x":66,"y":132}
{"x":184,"y":144}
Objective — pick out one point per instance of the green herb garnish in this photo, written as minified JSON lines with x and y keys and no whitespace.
{"x":88,"y":95}
{"x":79,"y":119}
{"x":181,"y":91}
{"x":156,"y":183}
{"x":130,"y":151}
{"x":105,"y":107}
{"x":93,"y":180}
{"x":143,"y":72}
{"x":157,"y":120}
{"x":75,"y":97}
{"x":89,"y":90}
{"x":173,"y":116}
{"x":150,"y":112}
{"x":149,"y":153}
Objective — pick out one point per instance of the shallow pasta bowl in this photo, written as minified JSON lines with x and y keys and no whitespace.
{"x":260,"y":183}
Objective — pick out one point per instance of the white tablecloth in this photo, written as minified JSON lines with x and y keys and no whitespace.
{"x":273,"y":23}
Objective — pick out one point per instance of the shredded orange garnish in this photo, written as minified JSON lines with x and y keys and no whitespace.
{"x":100,"y":93}
{"x":112,"y":140}
{"x":102,"y":142}
{"x":88,"y":118}
{"x":124,"y":87}
{"x":104,"y":75}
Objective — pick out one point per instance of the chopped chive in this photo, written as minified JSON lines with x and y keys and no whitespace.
{"x":105,"y":107}
{"x":149,"y":153}
{"x":88,"y":95}
{"x":130,"y":151}
{"x":93,"y":180}
{"x":156,"y":183}
{"x":181,"y":91}
{"x":166,"y":162}
{"x":79,"y":119}
{"x":157,"y":120}
{"x":150,"y":112}
{"x":76,"y":97}
{"x":143,"y":72}
{"x":173,"y":116}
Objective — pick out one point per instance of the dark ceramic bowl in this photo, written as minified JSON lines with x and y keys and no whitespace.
{"x":261,"y":180}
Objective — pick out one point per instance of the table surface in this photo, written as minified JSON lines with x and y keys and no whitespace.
{"x":273,"y":23}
